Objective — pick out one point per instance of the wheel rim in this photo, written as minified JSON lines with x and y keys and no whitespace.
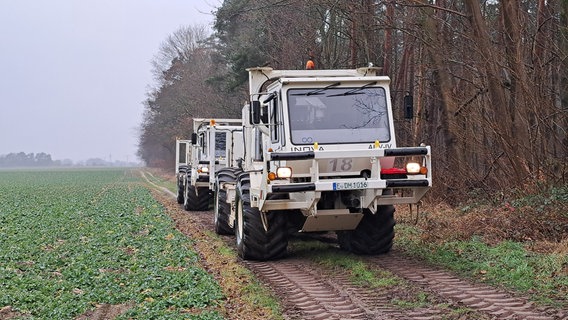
{"x":216,"y":206}
{"x":239,"y":222}
{"x":185,"y":194}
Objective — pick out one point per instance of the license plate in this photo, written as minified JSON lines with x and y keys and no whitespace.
{"x":350,"y":185}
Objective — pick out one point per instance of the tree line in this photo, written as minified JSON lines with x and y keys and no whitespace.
{"x":489,"y":79}
{"x":22,"y":159}
{"x":42,"y":159}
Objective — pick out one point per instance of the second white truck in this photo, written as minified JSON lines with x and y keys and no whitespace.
{"x":214,"y":144}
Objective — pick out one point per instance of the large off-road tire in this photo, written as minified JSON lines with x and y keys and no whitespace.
{"x":222,"y":210}
{"x":196,"y":200}
{"x":180,"y":194}
{"x":203,"y":199}
{"x":181,"y":184}
{"x":190,"y":198}
{"x":373,"y":235}
{"x":253,"y":241}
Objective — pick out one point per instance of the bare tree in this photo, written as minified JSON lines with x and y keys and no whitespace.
{"x":179,"y":46}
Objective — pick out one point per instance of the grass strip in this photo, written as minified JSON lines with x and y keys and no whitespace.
{"x":543,"y":276}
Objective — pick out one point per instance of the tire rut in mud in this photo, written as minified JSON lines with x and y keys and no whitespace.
{"x":494,"y":302}
{"x":305,"y":295}
{"x":307,"y":292}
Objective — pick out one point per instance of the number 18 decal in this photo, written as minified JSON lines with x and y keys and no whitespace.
{"x":341,"y":164}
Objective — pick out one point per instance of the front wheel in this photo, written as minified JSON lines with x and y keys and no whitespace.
{"x":222,"y":212}
{"x":373,"y":235}
{"x":181,"y":181}
{"x":190,"y":198}
{"x":254,"y":242}
{"x":180,"y":196}
{"x":222,"y":209}
{"x":196,"y":199}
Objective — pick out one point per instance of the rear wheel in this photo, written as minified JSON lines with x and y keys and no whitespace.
{"x":254,"y":242}
{"x":373,"y":235}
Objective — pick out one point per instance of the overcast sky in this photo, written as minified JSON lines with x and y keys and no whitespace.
{"x":74,"y":73}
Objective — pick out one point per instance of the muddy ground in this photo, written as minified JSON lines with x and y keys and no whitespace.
{"x":307,"y":290}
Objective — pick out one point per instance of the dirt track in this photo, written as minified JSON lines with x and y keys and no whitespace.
{"x":309,"y":291}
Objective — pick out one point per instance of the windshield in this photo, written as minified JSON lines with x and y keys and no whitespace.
{"x":338,"y":115}
{"x":220,"y":144}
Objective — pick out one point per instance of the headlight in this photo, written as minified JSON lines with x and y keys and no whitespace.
{"x":284,"y":172}
{"x":413,"y":168}
{"x":203,"y":169}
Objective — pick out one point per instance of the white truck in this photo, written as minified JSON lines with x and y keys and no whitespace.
{"x":321,"y":155}
{"x":212,"y":146}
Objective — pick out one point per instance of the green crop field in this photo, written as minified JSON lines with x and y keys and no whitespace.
{"x":72,"y":240}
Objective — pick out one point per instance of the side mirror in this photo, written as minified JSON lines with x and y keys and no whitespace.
{"x":264,"y":116}
{"x":408,"y":107}
{"x":194,"y":138}
{"x":255,"y":109}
